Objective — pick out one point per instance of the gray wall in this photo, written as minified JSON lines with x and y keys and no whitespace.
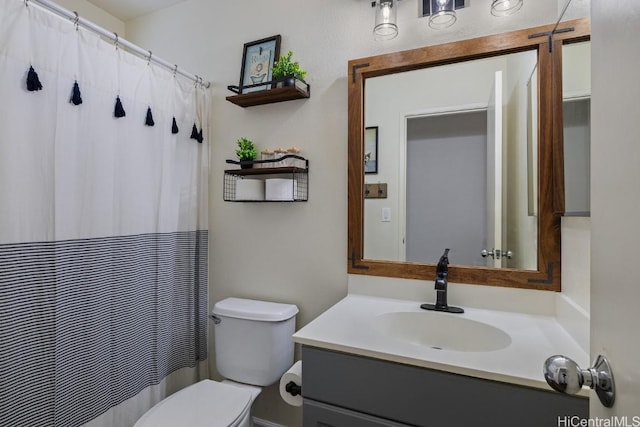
{"x":577,"y":156}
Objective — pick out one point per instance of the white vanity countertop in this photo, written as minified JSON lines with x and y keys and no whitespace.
{"x":347,"y":327}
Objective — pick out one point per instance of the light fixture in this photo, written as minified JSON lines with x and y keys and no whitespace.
{"x":443,"y":14}
{"x":505,"y":7}
{"x":385,"y":27}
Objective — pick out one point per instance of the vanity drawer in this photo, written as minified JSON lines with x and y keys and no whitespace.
{"x":316,"y":414}
{"x":425,"y":397}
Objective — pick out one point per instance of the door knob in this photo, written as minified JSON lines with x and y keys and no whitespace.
{"x":496,"y":253}
{"x":564,"y":375}
{"x":486,"y":253}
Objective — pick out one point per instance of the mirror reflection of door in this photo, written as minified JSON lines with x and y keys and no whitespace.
{"x":449,"y":184}
{"x":495,"y":244}
{"x":454,"y":160}
{"x":446,"y":174}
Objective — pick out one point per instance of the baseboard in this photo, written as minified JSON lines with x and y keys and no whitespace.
{"x":259,"y":422}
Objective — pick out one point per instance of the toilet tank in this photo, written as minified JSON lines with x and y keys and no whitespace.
{"x":253,"y":343}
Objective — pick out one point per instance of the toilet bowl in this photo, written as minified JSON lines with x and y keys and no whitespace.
{"x":253,"y":349}
{"x":204,"y":404}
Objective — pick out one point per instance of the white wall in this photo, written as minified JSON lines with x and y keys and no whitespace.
{"x":292,"y":252}
{"x":576,"y":70}
{"x":573,"y":303}
{"x":93,"y":13}
{"x":615,"y":199}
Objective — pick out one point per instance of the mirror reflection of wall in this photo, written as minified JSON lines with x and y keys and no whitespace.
{"x":434,"y":154}
{"x":576,"y":93}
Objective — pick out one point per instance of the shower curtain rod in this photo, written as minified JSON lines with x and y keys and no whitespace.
{"x":77,"y":20}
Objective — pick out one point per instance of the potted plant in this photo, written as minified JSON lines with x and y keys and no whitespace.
{"x":246,"y":152}
{"x":287,"y":70}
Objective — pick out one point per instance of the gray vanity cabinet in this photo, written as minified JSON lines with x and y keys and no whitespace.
{"x":318,"y":414}
{"x":344,"y":390}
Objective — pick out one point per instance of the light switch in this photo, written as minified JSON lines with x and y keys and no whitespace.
{"x":386,"y":215}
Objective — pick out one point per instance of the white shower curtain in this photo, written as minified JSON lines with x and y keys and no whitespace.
{"x":103,"y":227}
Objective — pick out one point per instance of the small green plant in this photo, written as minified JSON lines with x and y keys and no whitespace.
{"x":285,"y":67}
{"x":246,"y":150}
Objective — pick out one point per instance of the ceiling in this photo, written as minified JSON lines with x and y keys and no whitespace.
{"x":126,"y":10}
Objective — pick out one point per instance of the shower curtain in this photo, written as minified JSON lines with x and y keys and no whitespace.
{"x":103,"y":226}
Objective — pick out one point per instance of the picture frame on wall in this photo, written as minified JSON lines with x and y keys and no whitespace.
{"x":257,"y":62}
{"x":371,"y":150}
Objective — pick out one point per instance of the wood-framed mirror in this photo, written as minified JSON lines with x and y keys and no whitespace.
{"x":372,"y":84}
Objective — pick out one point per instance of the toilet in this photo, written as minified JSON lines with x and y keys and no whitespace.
{"x":253,"y":349}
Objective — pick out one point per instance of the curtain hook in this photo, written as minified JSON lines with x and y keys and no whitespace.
{"x":76,"y":20}
{"x":149,"y":58}
{"x":26,"y":3}
{"x":117,"y":40}
{"x":196,"y":81}
{"x":175,"y":70}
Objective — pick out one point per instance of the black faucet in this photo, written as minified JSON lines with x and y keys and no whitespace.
{"x":442,"y":271}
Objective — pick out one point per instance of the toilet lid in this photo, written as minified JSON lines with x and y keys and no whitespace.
{"x":206,"y":403}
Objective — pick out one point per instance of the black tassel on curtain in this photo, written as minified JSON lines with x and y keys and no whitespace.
{"x":197,"y":135}
{"x":149,"y":121}
{"x":76,"y":98}
{"x":119,"y":110}
{"x":33,"y":82}
{"x":174,"y":127}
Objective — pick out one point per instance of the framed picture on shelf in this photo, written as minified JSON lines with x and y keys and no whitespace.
{"x":257,"y":60}
{"x":371,"y":149}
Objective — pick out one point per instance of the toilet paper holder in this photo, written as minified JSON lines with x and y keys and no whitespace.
{"x":293,"y":388}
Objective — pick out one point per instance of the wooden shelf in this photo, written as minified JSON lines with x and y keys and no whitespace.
{"x":265,"y":171}
{"x":268,"y":96}
{"x":299,"y":89}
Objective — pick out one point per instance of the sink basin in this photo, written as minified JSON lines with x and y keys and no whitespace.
{"x":442,"y":331}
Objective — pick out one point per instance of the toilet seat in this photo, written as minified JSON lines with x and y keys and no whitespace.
{"x":204,"y":404}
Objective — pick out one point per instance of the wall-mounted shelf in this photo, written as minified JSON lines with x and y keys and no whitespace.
{"x":268,"y":181}
{"x":278,"y":93}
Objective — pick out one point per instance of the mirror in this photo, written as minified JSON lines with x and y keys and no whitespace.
{"x":452,"y":149}
{"x":377,"y":226}
{"x":576,"y":113}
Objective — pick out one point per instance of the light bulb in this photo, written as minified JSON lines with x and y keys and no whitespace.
{"x":385,"y":26}
{"x":505,"y":7}
{"x":443,"y":14}
{"x":386,"y":11}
